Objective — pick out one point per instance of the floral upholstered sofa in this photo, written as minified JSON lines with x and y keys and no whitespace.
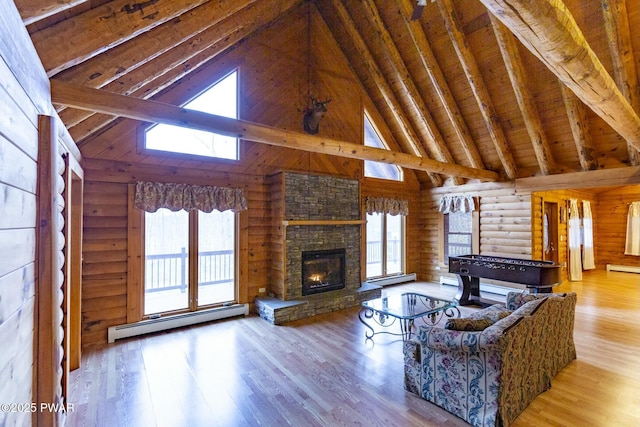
{"x":489,"y":376}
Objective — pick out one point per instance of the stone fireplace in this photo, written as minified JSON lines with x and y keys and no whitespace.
{"x":313,"y":214}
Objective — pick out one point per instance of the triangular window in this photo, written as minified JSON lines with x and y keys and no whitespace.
{"x":376,"y":169}
{"x":220,"y":99}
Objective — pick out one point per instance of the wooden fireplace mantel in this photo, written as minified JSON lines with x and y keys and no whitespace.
{"x":323,"y":222}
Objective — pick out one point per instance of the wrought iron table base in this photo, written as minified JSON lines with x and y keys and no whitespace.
{"x":406,"y":324}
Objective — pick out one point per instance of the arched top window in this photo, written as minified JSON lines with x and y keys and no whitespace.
{"x":377,"y":169}
{"x":220,"y":99}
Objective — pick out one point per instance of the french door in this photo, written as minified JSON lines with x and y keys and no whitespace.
{"x":190,"y":260}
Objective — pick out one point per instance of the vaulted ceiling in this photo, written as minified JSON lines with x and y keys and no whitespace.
{"x":484,"y":89}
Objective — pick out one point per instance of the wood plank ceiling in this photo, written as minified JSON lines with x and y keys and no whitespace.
{"x":471,"y":89}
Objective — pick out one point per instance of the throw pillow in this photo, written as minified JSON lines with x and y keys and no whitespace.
{"x":468,"y":324}
{"x":493,"y":313}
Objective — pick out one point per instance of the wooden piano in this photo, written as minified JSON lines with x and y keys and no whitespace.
{"x":540,"y":276}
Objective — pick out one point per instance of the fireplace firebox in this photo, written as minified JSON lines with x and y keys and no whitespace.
{"x":323,"y":271}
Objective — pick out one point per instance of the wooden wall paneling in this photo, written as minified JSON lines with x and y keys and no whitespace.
{"x":113,"y":241}
{"x":23,"y":95}
{"x":370,"y":187}
{"x":27,"y":71}
{"x":253,"y":243}
{"x":611,"y":209}
{"x":105,"y":252}
{"x":135,"y":256}
{"x":505,"y":225}
{"x":277,"y":268}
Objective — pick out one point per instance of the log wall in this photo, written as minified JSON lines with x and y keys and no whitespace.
{"x":511,"y":222}
{"x":611,"y":226}
{"x":18,"y":207}
{"x":561,"y":197}
{"x":32,"y":142}
{"x":505,"y":224}
{"x":273,"y":82}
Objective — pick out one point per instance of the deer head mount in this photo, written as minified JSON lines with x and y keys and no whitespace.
{"x":313,"y":115}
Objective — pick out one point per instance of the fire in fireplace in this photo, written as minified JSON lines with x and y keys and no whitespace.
{"x":322,"y":271}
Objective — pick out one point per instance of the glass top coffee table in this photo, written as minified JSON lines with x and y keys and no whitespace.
{"x":405,"y":308}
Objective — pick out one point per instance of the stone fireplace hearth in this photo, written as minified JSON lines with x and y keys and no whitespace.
{"x":313,"y":213}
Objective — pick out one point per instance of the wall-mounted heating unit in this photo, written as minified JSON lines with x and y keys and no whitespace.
{"x":175,"y":321}
{"x":625,"y":268}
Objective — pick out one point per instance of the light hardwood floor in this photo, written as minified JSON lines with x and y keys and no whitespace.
{"x":322,"y":372}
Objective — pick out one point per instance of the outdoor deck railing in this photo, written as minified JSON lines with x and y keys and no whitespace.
{"x":374,"y":251}
{"x":170,"y":271}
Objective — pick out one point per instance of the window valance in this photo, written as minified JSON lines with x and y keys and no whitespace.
{"x":453,"y":204}
{"x":151,"y":196}
{"x":385,"y":205}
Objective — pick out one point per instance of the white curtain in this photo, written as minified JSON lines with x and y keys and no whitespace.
{"x":575,"y":259}
{"x":588,"y":262}
{"x":632,"y":246}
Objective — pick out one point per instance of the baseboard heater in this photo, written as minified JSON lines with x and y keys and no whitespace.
{"x":484,"y":287}
{"x":393,"y":280}
{"x":175,"y":321}
{"x":625,"y":268}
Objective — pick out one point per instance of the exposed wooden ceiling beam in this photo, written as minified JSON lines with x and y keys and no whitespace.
{"x":439,"y":83}
{"x":478,"y":87}
{"x":152,"y":111}
{"x":517,"y":75}
{"x":580,"y":129}
{"x":549,"y":31}
{"x":35,"y":10}
{"x":74,"y":40}
{"x":411,"y":142}
{"x":624,"y":64}
{"x":400,"y":73}
{"x":629,"y":175}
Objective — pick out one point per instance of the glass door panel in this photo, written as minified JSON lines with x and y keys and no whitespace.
{"x":216,"y":257}
{"x":395,"y":245}
{"x":374,"y":245}
{"x":166,"y":271}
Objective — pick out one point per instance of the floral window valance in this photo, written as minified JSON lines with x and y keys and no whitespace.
{"x":453,"y":204}
{"x":151,"y":196}
{"x":387,"y":206}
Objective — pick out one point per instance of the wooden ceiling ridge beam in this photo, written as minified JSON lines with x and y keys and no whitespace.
{"x":580,"y":129}
{"x":408,"y":133}
{"x":624,"y":65}
{"x":152,"y":111}
{"x":214,"y":39}
{"x":74,"y":40}
{"x":549,"y":31}
{"x":478,"y":87}
{"x":435,"y":142}
{"x":628,"y":175}
{"x":517,"y":75}
{"x":431,"y":66}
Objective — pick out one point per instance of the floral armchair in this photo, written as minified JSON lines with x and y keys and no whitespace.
{"x":488,"y":377}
